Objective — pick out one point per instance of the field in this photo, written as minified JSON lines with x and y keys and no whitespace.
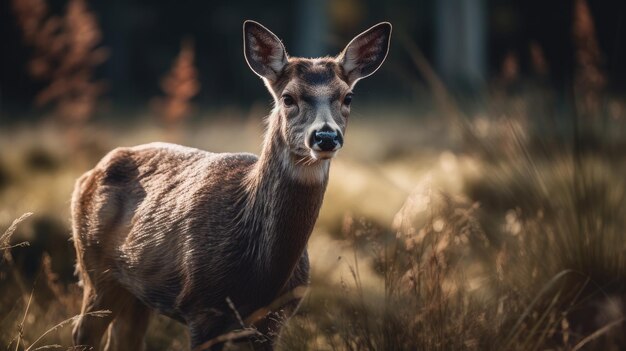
{"x":479,"y":202}
{"x":440,"y":230}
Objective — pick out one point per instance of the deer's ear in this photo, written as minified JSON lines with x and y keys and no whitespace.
{"x":263,"y":50}
{"x":366,"y":52}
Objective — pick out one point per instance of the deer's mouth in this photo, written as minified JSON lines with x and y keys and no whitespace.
{"x":322,"y":155}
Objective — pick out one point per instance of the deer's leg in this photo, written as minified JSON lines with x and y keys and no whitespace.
{"x":88,"y":329}
{"x":206,"y":331}
{"x":290,"y":299}
{"x":129,"y":327}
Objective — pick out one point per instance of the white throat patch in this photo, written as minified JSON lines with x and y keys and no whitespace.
{"x":306,"y":172}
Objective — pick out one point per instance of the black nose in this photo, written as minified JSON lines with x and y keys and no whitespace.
{"x":326,"y":139}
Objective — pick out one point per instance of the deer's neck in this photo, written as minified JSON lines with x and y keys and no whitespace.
{"x":283,"y":203}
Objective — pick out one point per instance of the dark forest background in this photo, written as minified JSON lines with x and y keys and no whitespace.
{"x":144,"y":37}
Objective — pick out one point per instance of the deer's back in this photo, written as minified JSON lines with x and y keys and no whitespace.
{"x":157,"y":218}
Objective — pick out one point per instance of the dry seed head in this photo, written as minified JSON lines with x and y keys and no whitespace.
{"x":565,"y":331}
{"x":415,"y":204}
{"x":501,"y":259}
{"x":509,"y":70}
{"x":538,"y":59}
{"x":512,"y":225}
{"x":347,"y":225}
{"x":438,"y":224}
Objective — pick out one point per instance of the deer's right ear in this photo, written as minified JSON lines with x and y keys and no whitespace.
{"x":264,"y":52}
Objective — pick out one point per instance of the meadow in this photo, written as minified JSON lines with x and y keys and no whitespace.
{"x":486,"y":221}
{"x":440,"y":230}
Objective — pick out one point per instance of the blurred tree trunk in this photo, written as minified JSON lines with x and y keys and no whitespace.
{"x":311,"y":28}
{"x":117,"y":19}
{"x":460,"y":27}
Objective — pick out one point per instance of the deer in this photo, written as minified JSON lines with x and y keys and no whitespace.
{"x":189,"y":234}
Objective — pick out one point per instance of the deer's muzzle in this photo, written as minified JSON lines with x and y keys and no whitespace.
{"x":326,"y":140}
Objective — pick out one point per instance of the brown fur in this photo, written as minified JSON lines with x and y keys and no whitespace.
{"x":179,"y":230}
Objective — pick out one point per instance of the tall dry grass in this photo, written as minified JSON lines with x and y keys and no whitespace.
{"x":527,"y":252}
{"x":180,"y":85}
{"x":531,"y":257}
{"x":66,"y":51}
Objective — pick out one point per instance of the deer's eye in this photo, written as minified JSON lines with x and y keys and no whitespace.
{"x":288,"y":100}
{"x":348,"y":99}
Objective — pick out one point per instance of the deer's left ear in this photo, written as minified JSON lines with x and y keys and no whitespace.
{"x":366,"y":52}
{"x":264,"y":52}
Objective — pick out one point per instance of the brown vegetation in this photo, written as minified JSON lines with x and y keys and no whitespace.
{"x":65,"y":53}
{"x":513,"y":238}
{"x":180,"y":85}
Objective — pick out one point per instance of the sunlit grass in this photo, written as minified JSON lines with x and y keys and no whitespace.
{"x":502,"y":239}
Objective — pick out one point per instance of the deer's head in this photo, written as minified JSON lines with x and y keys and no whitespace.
{"x":313,"y":96}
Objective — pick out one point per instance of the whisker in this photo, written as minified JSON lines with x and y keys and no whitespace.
{"x":301,"y":161}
